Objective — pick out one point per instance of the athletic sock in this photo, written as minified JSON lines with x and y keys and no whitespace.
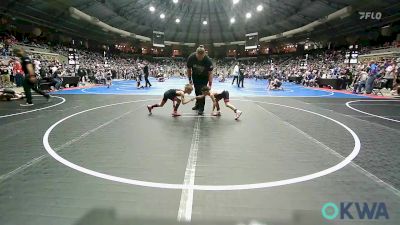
{"x":155,"y":105}
{"x":176,"y":107}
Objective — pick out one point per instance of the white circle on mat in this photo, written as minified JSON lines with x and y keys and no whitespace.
{"x":340,"y":165}
{"x":35,"y":110}
{"x":370,"y":114}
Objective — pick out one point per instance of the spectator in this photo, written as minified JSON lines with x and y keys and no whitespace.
{"x":372,"y":75}
{"x":360,"y":81}
{"x":389,"y":75}
{"x":56,"y":80}
{"x":5,"y":76}
{"x":18,"y":73}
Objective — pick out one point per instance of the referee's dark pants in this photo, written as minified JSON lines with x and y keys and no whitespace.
{"x":241,"y":80}
{"x":146,"y":78}
{"x":199,"y":102}
{"x":28,"y":85}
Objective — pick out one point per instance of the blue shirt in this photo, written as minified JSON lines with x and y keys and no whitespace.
{"x":373,"y":69}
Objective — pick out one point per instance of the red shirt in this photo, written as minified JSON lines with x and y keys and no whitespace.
{"x":17,"y":68}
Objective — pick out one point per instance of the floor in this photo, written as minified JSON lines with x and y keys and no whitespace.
{"x":95,"y":156}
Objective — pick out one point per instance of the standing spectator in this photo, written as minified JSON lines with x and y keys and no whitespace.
{"x":18,"y":73}
{"x":372,"y":75}
{"x":5,"y":76}
{"x":81,"y":74}
{"x":114,"y":74}
{"x":389,"y":75}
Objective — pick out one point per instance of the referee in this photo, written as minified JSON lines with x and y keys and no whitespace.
{"x":199,"y":71}
{"x":30,"y":81}
{"x":146,"y":74}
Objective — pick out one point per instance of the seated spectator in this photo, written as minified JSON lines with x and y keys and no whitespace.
{"x":359,"y":82}
{"x":56,"y":80}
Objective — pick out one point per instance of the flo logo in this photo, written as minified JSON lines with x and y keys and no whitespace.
{"x":355,"y":210}
{"x":370,"y":15}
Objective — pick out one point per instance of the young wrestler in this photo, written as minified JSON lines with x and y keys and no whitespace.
{"x":216,"y":97}
{"x":173,"y":95}
{"x":275,"y":84}
{"x":109,"y":79}
{"x":138,"y":78}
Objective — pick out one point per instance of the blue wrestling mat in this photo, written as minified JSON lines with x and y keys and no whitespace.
{"x":252,"y":88}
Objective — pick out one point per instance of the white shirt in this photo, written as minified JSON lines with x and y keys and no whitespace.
{"x":53,"y":69}
{"x":236,"y":70}
{"x":389,"y":68}
{"x":388,"y":74}
{"x":363,"y":76}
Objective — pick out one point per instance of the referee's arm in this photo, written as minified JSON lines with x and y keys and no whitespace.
{"x":189,"y":74}
{"x":210,"y":78}
{"x":31,"y":71}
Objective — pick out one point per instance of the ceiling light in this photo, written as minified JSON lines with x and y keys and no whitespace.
{"x":233,"y":20}
{"x":162,"y":16}
{"x":259,"y":8}
{"x":205,"y":22}
{"x":177,"y":20}
{"x":152,"y":9}
{"x":175,"y":1}
{"x":248,"y":15}
{"x":235,"y":1}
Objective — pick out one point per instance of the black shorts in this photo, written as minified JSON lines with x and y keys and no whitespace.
{"x":277,"y":84}
{"x":170,"y":94}
{"x":223,"y":95}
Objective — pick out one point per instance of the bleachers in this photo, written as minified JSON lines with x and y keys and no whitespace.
{"x":45,"y":53}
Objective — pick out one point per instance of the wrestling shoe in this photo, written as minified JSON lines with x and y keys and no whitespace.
{"x":48,"y":98}
{"x":238,"y":114}
{"x":216,"y":114}
{"x":149,"y":108}
{"x":175,"y":114}
{"x":26,"y":104}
